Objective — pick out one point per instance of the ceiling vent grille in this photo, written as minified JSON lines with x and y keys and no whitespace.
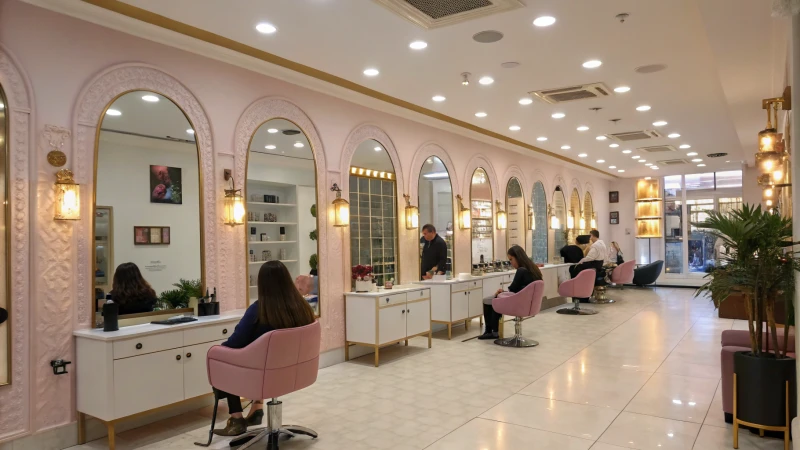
{"x":439,"y":13}
{"x":673,"y":162}
{"x":657,"y":149}
{"x":634,"y":135}
{"x":572,"y":93}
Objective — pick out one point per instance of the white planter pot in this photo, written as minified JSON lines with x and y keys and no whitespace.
{"x":363,"y":286}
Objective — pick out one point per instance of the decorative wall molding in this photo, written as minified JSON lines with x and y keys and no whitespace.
{"x":576,"y":185}
{"x":15,"y":398}
{"x":589,"y":189}
{"x":480,"y":161}
{"x":360,"y":134}
{"x":558,"y":181}
{"x":515,"y":172}
{"x":539,"y":176}
{"x":424,"y":152}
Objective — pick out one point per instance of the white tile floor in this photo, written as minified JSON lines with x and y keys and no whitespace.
{"x":642,"y":374}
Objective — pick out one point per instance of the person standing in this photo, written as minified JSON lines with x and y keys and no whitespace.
{"x":434,"y":253}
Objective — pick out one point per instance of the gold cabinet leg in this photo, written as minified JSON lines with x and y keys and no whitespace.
{"x":449,"y":331}
{"x":377,"y":356}
{"x":406,"y":342}
{"x":760,"y":432}
{"x":111,"y":436}
{"x":500,"y":328}
{"x":81,"y":428}
{"x":466,"y":324}
{"x":347,"y":351}
{"x":430,"y":338}
{"x":480,"y":320}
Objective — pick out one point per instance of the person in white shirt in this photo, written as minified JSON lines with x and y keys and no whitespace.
{"x":598,"y":251}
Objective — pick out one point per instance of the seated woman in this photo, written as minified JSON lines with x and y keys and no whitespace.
{"x":131,"y":292}
{"x":527,"y":273}
{"x":279,"y":305}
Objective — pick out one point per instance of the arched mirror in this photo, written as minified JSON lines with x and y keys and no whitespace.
{"x":575,"y":225}
{"x":588,"y":213}
{"x":435,"y":202}
{"x":480,"y":194}
{"x":373,"y":212}
{"x":281,"y":198}
{"x":540,"y":223}
{"x":558,"y":223}
{"x":147,"y":222}
{"x":516,"y":213}
{"x":5,"y":302}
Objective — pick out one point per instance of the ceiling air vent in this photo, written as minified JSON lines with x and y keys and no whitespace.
{"x":673,"y":162}
{"x":634,"y":135}
{"x":572,"y":93}
{"x":438,"y":13}
{"x":657,"y":149}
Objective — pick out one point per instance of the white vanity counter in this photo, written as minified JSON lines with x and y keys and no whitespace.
{"x":149,"y":328}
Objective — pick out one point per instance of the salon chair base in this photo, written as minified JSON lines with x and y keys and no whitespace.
{"x":600,"y":296}
{"x":576,"y":310}
{"x":517,"y":340}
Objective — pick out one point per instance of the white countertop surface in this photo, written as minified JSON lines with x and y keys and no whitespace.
{"x":149,"y":328}
{"x":555,"y":266}
{"x":471,"y":278}
{"x":399,"y":289}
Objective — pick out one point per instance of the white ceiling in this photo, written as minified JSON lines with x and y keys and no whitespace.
{"x":723,"y":56}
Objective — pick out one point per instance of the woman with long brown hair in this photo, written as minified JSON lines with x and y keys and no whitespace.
{"x":279,"y":305}
{"x":130,"y":291}
{"x":527,"y":273}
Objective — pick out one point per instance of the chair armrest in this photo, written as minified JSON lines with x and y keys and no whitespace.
{"x":251,"y":357}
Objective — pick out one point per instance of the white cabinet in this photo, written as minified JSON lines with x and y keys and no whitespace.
{"x":376,"y":319}
{"x":195,"y":375}
{"x":147,"y":382}
{"x":459,"y":304}
{"x":454,"y":302}
{"x":475,"y":302}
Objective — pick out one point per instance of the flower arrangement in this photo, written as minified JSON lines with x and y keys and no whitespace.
{"x":362,"y":273}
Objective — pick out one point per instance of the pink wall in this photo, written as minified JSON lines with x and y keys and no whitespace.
{"x":61,"y":56}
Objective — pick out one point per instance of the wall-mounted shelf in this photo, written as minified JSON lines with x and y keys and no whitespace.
{"x":649,"y":209}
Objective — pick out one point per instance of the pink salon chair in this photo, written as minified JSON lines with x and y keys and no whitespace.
{"x":623,"y":273}
{"x":525,"y":303}
{"x":276,"y":364}
{"x":579,"y":287}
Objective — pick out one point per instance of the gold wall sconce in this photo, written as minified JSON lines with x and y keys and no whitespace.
{"x":594,"y":221}
{"x":571,"y":221}
{"x":554,"y":222}
{"x":582,"y":223}
{"x":341,"y":208}
{"x":234,"y":202}
{"x":412,"y":214}
{"x":464,"y":219}
{"x":531,"y":219}
{"x":68,"y":196}
{"x":501,"y":216}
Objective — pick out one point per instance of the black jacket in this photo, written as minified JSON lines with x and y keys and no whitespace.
{"x":434,"y":254}
{"x":572,"y":254}
{"x":521,"y":280}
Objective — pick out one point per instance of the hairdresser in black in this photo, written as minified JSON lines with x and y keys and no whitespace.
{"x":434,"y":253}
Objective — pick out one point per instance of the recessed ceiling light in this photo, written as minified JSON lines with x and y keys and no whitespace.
{"x":592,"y":64}
{"x":299,"y":145}
{"x":649,"y":164}
{"x":614,"y":145}
{"x":113,"y":112}
{"x":541,"y":138}
{"x":525,"y":101}
{"x":371,"y":72}
{"x":701,"y":165}
{"x":583,"y":128}
{"x":582,"y":155}
{"x":697,"y":160}
{"x":377,"y":149}
{"x":622,"y":89}
{"x":691,"y":154}
{"x":626,"y":151}
{"x":612,"y":167}
{"x":600,"y":161}
{"x":558,"y":115}
{"x":270,"y":147}
{"x":674,"y":136}
{"x":514,"y":128}
{"x":621,"y":170}
{"x":272,"y":130}
{"x":266,"y":28}
{"x":480,"y":114}
{"x":685,"y":146}
{"x":601,"y":138}
{"x":150,"y":98}
{"x":643,"y":108}
{"x":190,"y":131}
{"x":544,"y":21}
{"x":635,"y":157}
{"x":659,"y":123}
{"x":439,"y":98}
{"x":486,"y":81}
{"x":418,"y":45}
{"x":565,"y":147}
{"x":642,"y":160}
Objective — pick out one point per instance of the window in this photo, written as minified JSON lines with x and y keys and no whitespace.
{"x":672,"y":186}
{"x":699,"y":181}
{"x":673,"y":236}
{"x":726,"y":205}
{"x":701,"y":243}
{"x":729,"y":179}
{"x":372,"y":225}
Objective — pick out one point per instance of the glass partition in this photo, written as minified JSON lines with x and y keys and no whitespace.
{"x":5,"y":301}
{"x":435,"y":200}
{"x":517,"y":214}
{"x":480,"y":193}
{"x":540,"y":220}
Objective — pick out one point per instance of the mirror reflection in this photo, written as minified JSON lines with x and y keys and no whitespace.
{"x":480,"y":194}
{"x":517,"y":214}
{"x":5,"y":326}
{"x":373,"y":215}
{"x":281,"y":198}
{"x":575,"y":223}
{"x":541,"y":225}
{"x":588,"y":213}
{"x":558,"y":224}
{"x":435,"y":208}
{"x":148,"y":236}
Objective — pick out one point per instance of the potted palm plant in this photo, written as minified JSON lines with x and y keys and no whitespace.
{"x":759,"y":264}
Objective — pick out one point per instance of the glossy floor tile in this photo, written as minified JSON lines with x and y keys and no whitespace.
{"x":605,"y":382}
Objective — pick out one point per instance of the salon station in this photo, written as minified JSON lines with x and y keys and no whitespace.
{"x":416,"y":236}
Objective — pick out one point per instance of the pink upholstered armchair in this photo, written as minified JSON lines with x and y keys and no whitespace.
{"x":579,"y":287}
{"x":276,"y":364}
{"x":623,"y":273}
{"x":525,"y":303}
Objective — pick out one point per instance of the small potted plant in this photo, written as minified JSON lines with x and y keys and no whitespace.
{"x":363,"y":278}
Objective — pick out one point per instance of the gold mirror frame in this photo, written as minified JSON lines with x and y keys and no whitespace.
{"x":4,"y":148}
{"x":316,"y":200}
{"x":523,"y":213}
{"x":201,"y":182}
{"x":453,"y":213}
{"x":492,"y":218}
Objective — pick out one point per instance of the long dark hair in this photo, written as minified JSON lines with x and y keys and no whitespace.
{"x":523,"y":261}
{"x":280,"y":304}
{"x":129,"y":285}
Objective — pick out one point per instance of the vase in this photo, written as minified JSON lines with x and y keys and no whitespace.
{"x":760,"y":390}
{"x":363,"y":286}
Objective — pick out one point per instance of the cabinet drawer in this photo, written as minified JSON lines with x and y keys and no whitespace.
{"x":461,"y":287}
{"x":419,"y":295}
{"x":209,"y":333}
{"x":394,"y":299}
{"x":147,"y":344}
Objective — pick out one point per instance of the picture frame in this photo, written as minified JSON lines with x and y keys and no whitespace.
{"x":614,"y":217}
{"x":613,"y":197}
{"x":147,"y":235}
{"x":166,"y":185}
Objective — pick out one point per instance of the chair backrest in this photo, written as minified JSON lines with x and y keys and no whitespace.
{"x":581,"y":286}
{"x":292,"y":360}
{"x":525,"y":303}
{"x":623,"y":273}
{"x":538,"y":293}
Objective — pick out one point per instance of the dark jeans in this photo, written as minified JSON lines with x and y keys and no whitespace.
{"x":234,"y":402}
{"x":492,"y":319}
